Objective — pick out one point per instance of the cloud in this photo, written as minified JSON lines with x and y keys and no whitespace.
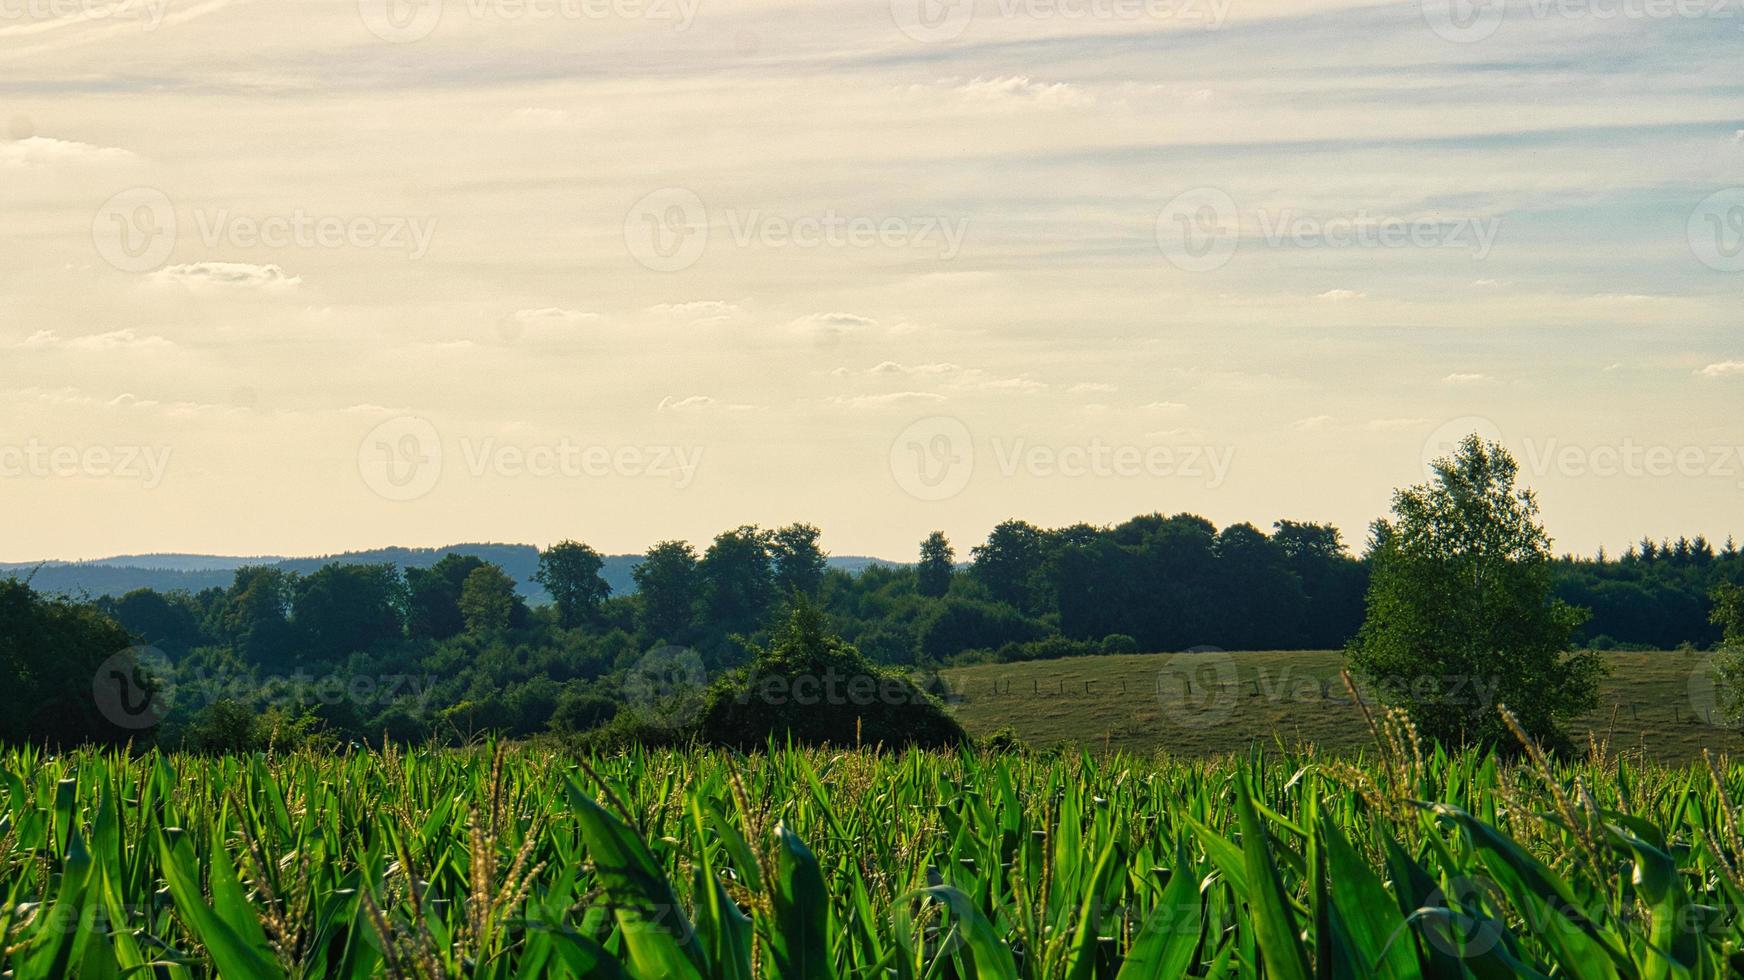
{"x":835,"y":322}
{"x":891,"y":398}
{"x":697,"y":403}
{"x":1738,"y":137}
{"x":1341,"y":295}
{"x":1086,"y":387}
{"x":895,"y":368}
{"x":1311,"y":423}
{"x":1468,"y":379}
{"x":113,"y":340}
{"x":1020,"y":89}
{"x":552,"y":315}
{"x":1164,"y":407}
{"x":1490,"y":283}
{"x":230,"y":275}
{"x":41,"y":151}
{"x":1722,"y":369}
{"x":698,"y":312}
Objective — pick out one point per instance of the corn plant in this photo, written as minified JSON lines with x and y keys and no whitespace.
{"x":508,"y":862}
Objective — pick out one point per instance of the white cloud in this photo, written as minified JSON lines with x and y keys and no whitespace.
{"x":1722,"y":369}
{"x":1087,"y":387}
{"x":237,"y":275}
{"x":1164,"y":407}
{"x":891,"y":398}
{"x":1341,"y":295}
{"x":1468,"y":379}
{"x":697,"y":403}
{"x":1020,"y":89}
{"x":1311,"y":423}
{"x":41,"y":151}
{"x":835,"y":323}
{"x":698,"y":312}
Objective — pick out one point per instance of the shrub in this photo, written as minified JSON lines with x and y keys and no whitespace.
{"x":810,"y":687}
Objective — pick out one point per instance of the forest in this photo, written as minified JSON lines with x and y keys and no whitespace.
{"x":366,"y":652}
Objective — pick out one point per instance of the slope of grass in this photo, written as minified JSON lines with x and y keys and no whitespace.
{"x":1207,"y":703}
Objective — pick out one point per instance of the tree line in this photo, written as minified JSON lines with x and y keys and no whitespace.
{"x":455,"y":649}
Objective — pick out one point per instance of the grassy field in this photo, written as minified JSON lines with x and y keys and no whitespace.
{"x":1210,"y":702}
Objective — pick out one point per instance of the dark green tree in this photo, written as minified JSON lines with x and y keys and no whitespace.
{"x":1460,"y":612}
{"x":55,"y":656}
{"x":738,"y":579}
{"x":667,"y":587}
{"x":433,"y":597}
{"x":799,"y":561}
{"x":1010,"y":563}
{"x":570,"y":571}
{"x":488,"y":600}
{"x":343,"y":609}
{"x":937,"y":560}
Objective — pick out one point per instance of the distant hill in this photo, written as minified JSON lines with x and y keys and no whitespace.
{"x":167,"y":572}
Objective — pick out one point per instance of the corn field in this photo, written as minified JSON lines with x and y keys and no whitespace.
{"x":517,"y":862}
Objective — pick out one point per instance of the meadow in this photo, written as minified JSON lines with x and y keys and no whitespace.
{"x":519,"y":862}
{"x":1659,"y":704}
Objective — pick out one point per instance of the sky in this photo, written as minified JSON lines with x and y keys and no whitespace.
{"x":307,"y":276}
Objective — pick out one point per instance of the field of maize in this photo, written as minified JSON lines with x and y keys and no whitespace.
{"x":516,"y":862}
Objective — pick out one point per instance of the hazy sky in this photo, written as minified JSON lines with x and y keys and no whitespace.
{"x":302,"y":276}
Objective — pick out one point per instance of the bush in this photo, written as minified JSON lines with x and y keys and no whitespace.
{"x":810,"y":687}
{"x":1119,"y":643}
